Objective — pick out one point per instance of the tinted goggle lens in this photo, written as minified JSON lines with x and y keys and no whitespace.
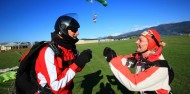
{"x":74,"y":30}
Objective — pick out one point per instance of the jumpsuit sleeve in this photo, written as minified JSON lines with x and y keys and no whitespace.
{"x":148,"y":80}
{"x":57,"y":79}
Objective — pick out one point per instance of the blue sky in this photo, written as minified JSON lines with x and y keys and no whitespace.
{"x":33,"y":20}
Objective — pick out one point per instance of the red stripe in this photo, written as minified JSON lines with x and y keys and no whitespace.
{"x":75,"y":68}
{"x":162,"y":91}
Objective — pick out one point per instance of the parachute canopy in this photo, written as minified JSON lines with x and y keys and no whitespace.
{"x":94,"y":18}
{"x":103,"y":2}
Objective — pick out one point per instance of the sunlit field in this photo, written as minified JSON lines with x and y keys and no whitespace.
{"x":97,"y":78}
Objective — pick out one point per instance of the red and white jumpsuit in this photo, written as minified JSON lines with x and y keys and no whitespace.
{"x":151,"y":79}
{"x":51,"y":71}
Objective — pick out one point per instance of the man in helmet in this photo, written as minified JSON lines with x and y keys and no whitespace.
{"x":56,"y":71}
{"x":151,"y":69}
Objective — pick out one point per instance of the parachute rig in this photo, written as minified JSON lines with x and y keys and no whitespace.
{"x":103,"y":2}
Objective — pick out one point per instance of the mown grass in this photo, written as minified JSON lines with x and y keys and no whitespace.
{"x":177,"y":52}
{"x":97,"y":78}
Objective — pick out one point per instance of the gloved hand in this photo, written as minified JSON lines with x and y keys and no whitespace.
{"x":109,"y":54}
{"x":83,"y":58}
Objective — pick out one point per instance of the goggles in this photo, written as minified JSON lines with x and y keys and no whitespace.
{"x":74,"y":30}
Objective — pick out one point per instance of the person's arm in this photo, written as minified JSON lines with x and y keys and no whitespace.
{"x":151,"y":79}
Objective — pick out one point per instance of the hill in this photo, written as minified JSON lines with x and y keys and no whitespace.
{"x":178,"y":28}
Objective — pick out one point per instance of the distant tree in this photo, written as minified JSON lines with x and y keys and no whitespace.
{"x":110,"y":37}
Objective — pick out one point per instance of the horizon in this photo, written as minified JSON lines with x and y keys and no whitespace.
{"x":100,"y":37}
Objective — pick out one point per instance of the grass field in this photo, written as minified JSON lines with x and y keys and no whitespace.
{"x":97,"y":78}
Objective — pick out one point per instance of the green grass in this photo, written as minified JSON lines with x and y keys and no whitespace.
{"x":177,"y":52}
{"x":8,"y":59}
{"x":97,"y":78}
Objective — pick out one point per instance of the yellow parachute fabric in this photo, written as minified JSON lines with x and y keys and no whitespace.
{"x":7,"y":76}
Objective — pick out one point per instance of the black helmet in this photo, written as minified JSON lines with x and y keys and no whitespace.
{"x":65,"y":23}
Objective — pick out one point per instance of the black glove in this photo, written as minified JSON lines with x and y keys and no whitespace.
{"x":109,"y":54}
{"x":83,"y":58}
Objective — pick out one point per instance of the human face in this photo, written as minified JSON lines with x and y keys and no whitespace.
{"x":73,"y":34}
{"x":142,"y":44}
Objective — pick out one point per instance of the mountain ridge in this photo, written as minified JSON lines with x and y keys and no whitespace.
{"x":168,"y":29}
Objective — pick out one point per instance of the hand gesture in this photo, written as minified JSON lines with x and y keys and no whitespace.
{"x":109,"y":54}
{"x":83,"y":58}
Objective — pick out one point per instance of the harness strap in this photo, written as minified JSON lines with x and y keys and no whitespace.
{"x":55,"y":48}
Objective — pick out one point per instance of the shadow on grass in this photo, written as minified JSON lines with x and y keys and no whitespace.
{"x":91,"y":80}
{"x":113,"y":81}
{"x":105,"y":89}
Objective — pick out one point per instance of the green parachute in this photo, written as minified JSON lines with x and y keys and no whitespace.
{"x":103,"y":2}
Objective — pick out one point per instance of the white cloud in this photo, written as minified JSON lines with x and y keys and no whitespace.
{"x":115,"y":34}
{"x":138,"y":27}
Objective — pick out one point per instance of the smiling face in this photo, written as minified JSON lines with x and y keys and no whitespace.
{"x":142,"y":44}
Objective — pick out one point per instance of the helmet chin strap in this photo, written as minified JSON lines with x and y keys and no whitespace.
{"x":144,"y":51}
{"x":141,"y":52}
